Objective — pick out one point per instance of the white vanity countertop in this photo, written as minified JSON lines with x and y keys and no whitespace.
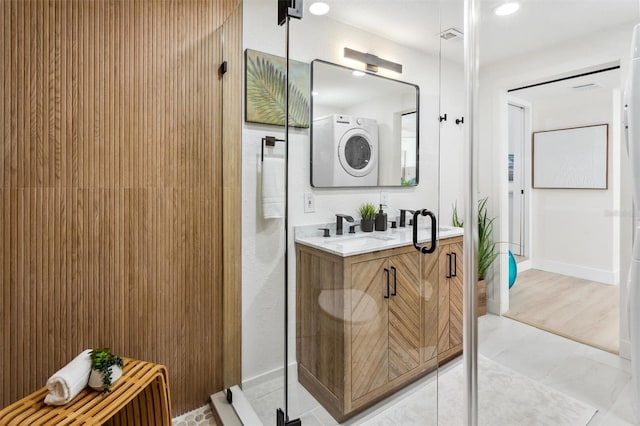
{"x":366,"y":242}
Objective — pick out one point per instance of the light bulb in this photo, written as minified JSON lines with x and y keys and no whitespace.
{"x":507,"y":8}
{"x":319,"y":8}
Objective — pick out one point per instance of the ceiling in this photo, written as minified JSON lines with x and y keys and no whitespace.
{"x":538,"y":23}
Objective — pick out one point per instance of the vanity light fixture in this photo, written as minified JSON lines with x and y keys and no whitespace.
{"x":507,"y":8}
{"x":357,"y":73}
{"x":314,"y":93}
{"x":373,"y":62}
{"x":319,"y":8}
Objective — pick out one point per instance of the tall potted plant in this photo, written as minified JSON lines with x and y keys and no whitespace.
{"x":486,"y":252}
{"x":486,"y":249}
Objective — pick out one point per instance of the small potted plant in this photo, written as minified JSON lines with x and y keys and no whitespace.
{"x":368,"y":216}
{"x":106,"y":369}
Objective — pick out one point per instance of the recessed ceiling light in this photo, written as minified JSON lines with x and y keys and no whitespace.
{"x":507,"y":8}
{"x":319,"y":8}
{"x":357,"y":73}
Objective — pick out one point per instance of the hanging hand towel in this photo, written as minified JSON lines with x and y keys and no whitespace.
{"x":273,"y":188}
{"x":67,"y":382}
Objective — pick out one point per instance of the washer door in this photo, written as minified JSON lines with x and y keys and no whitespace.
{"x":357,"y":153}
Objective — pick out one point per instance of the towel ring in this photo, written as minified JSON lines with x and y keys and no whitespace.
{"x":268,"y":141}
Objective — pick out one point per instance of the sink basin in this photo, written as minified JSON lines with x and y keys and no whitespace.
{"x":356,"y":243}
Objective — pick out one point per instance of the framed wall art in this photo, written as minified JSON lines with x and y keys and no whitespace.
{"x":575,"y":158}
{"x":265,"y":83}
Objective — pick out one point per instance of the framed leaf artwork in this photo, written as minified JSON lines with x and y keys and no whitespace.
{"x":265,"y":82}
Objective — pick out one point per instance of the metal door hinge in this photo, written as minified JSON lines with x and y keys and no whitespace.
{"x":282,"y":421}
{"x":289,"y":9}
{"x":223,"y":68}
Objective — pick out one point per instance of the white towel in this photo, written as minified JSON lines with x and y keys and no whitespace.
{"x":273,"y":188}
{"x":67,"y":382}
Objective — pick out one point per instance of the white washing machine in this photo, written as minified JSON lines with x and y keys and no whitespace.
{"x":344,"y":151}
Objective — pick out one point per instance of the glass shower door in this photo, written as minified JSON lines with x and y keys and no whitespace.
{"x":363,"y":307}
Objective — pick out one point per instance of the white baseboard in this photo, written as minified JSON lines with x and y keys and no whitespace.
{"x":591,"y":274}
{"x":524,"y":266}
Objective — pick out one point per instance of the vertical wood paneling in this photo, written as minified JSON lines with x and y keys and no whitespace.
{"x":119,"y":189}
{"x":231,"y":164}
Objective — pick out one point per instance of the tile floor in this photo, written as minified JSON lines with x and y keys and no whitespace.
{"x":595,"y":377}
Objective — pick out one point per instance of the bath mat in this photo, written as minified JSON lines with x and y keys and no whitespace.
{"x":506,"y":398}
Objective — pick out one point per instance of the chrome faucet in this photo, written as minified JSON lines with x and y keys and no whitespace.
{"x":403,"y":219}
{"x":339,"y":218}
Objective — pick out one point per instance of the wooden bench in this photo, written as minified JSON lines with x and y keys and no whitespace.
{"x":139,"y":397}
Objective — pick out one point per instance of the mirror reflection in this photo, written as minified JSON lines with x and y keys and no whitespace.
{"x":364,"y":129}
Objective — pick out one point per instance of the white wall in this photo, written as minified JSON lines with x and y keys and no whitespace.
{"x":606,"y":47}
{"x":451,"y":137}
{"x":573,"y":229}
{"x":262,"y":240}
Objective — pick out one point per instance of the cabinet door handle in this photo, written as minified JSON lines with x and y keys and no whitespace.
{"x":455,"y":264}
{"x":386,"y":271}
{"x":448,"y":265}
{"x":395,"y":281}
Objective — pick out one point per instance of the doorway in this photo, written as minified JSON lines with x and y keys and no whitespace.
{"x":518,"y":169}
{"x":566,"y":267}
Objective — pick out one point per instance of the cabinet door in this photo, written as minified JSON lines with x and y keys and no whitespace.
{"x":369,"y":327}
{"x":404,"y":314}
{"x":443,"y":299}
{"x":455,"y":295}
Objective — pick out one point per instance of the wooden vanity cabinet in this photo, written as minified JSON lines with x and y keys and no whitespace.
{"x":366,"y":325}
{"x":450,"y":299}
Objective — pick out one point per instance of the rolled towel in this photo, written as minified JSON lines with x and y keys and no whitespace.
{"x":67,"y":382}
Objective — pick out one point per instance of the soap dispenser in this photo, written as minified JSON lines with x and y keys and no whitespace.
{"x":381,"y":220}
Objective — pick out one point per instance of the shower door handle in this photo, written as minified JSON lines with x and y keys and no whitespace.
{"x":432,"y":247}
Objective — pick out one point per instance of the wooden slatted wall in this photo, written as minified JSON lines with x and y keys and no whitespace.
{"x":111,"y":187}
{"x":232,"y":163}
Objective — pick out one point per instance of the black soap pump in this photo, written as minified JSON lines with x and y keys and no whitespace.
{"x":381,"y":220}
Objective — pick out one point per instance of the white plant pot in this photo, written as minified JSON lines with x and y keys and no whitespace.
{"x":95,"y":378}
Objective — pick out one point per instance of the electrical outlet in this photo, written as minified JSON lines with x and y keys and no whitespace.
{"x":309,"y":202}
{"x":384,"y":198}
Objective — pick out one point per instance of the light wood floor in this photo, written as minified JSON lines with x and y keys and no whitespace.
{"x":581,"y":310}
